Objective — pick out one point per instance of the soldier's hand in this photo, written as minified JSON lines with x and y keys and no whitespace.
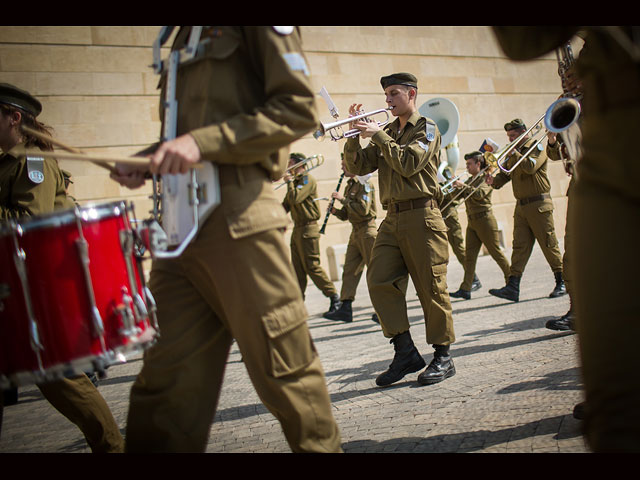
{"x":175,"y":156}
{"x":488,"y":180}
{"x":337,"y":196}
{"x":130,"y":176}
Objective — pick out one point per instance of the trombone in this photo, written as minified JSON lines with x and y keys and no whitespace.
{"x":308,"y":163}
{"x":325,"y":128}
{"x":448,"y":187}
{"x":491,"y":164}
{"x":508,"y":150}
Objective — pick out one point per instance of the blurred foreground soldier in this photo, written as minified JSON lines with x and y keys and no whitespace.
{"x":301,"y":201}
{"x":412,"y":239}
{"x":482,"y":227}
{"x":241,"y":104}
{"x":32,"y":186}
{"x":533,"y":215}
{"x":359,"y":208}
{"x":608,"y":175}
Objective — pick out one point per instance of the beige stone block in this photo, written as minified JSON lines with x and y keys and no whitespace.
{"x":45,"y":34}
{"x":143,"y":36}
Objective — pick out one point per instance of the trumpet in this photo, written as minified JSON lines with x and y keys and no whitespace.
{"x":308,"y":163}
{"x":335,"y":128}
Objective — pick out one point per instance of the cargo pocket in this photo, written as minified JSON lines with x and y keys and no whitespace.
{"x":290,"y":346}
{"x":439,"y":275}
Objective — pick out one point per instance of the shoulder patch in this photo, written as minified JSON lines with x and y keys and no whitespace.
{"x":283,"y":30}
{"x":431,"y":131}
{"x":35,"y":169}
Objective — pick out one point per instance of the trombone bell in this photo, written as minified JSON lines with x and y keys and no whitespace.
{"x":562,"y":117}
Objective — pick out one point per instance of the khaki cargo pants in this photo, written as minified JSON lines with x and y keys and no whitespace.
{"x":218,"y":290}
{"x":412,"y":242}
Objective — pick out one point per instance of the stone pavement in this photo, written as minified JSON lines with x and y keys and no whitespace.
{"x":515,"y":388}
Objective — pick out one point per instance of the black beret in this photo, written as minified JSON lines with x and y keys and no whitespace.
{"x":399,"y":79}
{"x":476,"y":153}
{"x":11,"y":95}
{"x":514,"y":124}
{"x":298,"y":157}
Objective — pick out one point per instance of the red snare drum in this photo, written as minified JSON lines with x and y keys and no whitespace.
{"x":72,"y":294}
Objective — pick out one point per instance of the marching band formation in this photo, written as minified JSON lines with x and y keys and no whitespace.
{"x":221,"y":271}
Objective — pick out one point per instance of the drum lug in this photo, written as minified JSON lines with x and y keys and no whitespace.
{"x":19,"y":258}
{"x":126,"y":242}
{"x":83,"y":252}
{"x":152,"y":309}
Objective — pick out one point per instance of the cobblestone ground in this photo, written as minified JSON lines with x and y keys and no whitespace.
{"x":515,"y":388}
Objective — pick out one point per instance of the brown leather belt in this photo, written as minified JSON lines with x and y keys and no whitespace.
{"x":537,"y":198}
{"x":413,"y":204}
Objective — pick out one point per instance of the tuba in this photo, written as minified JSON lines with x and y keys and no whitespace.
{"x":445,"y":113}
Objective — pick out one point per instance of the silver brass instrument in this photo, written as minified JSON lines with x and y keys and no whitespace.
{"x":508,"y":150}
{"x":308,"y":163}
{"x":445,"y":113}
{"x":335,"y":128}
{"x":473,"y":185}
{"x":448,"y":187}
{"x":563,"y":115}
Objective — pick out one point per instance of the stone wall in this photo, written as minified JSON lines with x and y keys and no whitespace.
{"x":99,"y":93}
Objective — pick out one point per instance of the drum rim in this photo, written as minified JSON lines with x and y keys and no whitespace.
{"x":64,"y":217}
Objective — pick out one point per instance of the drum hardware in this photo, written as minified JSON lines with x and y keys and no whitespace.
{"x":126,"y":242}
{"x":83,"y":254}
{"x":19,"y":258}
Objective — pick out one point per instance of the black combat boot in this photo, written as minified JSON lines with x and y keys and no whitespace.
{"x":465,"y":294}
{"x":334,"y":305}
{"x":511,"y":291}
{"x":406,"y":360}
{"x":441,"y":367}
{"x":476,"y":285}
{"x":564,"y":323}
{"x":374,"y":318}
{"x":560,"y":289}
{"x":342,"y":314}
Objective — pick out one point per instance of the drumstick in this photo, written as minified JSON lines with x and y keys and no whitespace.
{"x":95,"y":158}
{"x":69,"y":148}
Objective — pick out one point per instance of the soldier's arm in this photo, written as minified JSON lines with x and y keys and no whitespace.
{"x":288,"y":112}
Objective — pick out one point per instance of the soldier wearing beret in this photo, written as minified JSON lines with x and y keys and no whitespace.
{"x":533,"y":215}
{"x":405,"y":153}
{"x":359,"y":208}
{"x":301,"y":201}
{"x":604,"y":222}
{"x":449,"y":209}
{"x":33,"y":186}
{"x":482,"y":227}
{"x":243,"y":99}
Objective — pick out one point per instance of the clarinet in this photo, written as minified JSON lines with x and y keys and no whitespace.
{"x":333,"y":200}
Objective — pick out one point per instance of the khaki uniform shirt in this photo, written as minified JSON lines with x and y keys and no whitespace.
{"x":530,"y":177}
{"x":27,"y":190}
{"x":359,"y":204}
{"x":230,"y":120}
{"x":406,"y":161}
{"x":300,"y":200}
{"x":480,"y":200}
